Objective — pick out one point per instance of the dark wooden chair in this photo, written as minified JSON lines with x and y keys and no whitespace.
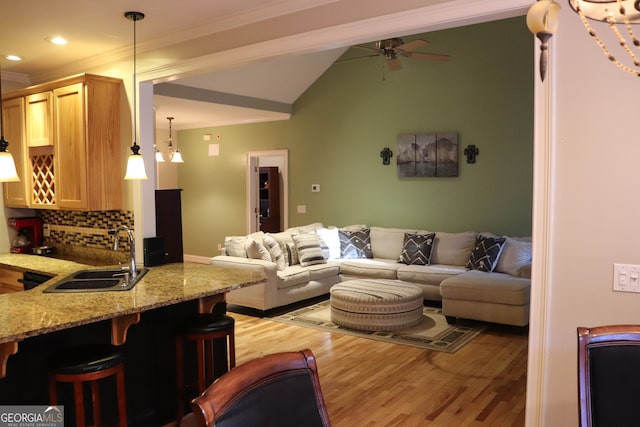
{"x":281,"y":389}
{"x":609,"y":375}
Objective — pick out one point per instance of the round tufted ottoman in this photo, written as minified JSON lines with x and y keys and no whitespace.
{"x":375,"y":305}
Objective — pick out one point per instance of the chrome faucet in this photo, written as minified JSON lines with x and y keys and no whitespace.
{"x":131,"y":270}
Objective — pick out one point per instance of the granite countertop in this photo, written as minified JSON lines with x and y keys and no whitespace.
{"x":30,"y":313}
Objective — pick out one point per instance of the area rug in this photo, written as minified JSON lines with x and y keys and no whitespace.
{"x":434,"y":333}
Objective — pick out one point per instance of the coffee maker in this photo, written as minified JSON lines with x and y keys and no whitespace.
{"x":29,"y":234}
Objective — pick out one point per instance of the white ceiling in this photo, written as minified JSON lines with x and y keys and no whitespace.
{"x":257,"y":50}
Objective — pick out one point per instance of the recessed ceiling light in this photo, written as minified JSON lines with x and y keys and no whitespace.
{"x":13,"y":58}
{"x":57,"y":40}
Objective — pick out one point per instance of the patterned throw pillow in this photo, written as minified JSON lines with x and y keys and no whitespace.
{"x":485,"y":254}
{"x":417,"y":248}
{"x":274,"y":250}
{"x":355,"y":244}
{"x":309,"y":250}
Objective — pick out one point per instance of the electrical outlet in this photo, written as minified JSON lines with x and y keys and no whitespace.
{"x":302,"y":209}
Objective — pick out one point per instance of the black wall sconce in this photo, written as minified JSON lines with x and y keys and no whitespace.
{"x":386,"y":155}
{"x":471,"y":152}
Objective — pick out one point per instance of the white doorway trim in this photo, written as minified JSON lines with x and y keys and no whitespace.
{"x":253,"y":157}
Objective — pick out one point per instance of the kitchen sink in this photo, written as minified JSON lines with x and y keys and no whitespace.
{"x":96,"y":280}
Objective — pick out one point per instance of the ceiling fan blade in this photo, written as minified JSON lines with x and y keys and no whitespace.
{"x":413,"y":45}
{"x":431,"y":56}
{"x":342,"y":61}
{"x":393,"y":64}
{"x":370,"y":49}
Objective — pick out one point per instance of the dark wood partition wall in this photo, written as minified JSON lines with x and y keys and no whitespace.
{"x":169,"y":223}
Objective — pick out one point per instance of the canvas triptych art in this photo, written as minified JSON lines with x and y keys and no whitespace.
{"x":427,"y":155}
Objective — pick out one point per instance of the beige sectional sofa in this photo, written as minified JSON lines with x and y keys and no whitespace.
{"x":500,"y":294}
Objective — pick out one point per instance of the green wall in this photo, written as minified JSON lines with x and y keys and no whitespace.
{"x":343,"y":121}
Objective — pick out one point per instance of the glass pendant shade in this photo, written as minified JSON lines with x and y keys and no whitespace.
{"x":177,"y":157}
{"x":159,"y":156}
{"x":135,"y":168}
{"x":8,"y":171}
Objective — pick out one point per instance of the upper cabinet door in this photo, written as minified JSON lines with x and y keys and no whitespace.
{"x":39,"y":115}
{"x":70,"y":151}
{"x":15,"y":193}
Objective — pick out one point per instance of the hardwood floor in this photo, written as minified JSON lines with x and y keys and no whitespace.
{"x":368,"y":383}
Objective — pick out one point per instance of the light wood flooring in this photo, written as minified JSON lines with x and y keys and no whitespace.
{"x":368,"y":383}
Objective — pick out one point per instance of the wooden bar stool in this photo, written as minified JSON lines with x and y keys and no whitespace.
{"x":88,"y":364}
{"x":203,"y":329}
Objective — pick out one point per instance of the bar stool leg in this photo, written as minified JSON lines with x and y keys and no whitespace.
{"x":95,"y":403}
{"x":78,"y":397}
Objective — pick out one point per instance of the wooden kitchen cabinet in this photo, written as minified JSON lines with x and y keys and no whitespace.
{"x":73,"y":144}
{"x":13,"y":118}
{"x":9,"y":281}
{"x":39,"y":114}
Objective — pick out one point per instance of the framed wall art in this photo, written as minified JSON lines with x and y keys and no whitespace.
{"x":427,"y":154}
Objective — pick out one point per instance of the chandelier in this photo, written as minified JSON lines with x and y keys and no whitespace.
{"x":618,"y":15}
{"x":172,"y":151}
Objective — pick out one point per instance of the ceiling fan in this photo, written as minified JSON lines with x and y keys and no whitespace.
{"x":392,"y":49}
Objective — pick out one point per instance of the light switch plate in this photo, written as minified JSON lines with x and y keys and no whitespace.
{"x":626,"y":278}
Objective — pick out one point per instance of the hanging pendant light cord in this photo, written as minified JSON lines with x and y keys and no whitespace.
{"x":135,"y":16}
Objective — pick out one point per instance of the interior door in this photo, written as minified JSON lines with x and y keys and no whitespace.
{"x":253,"y":173}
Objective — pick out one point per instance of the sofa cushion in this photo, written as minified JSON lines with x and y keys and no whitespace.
{"x":416,"y":248}
{"x":355,"y":244}
{"x":515,"y":257}
{"x":475,"y":285}
{"x":309,"y":249}
{"x":236,"y":246}
{"x":370,"y":268}
{"x":452,"y":248}
{"x":274,"y":251}
{"x":386,"y":243}
{"x":257,"y":250}
{"x":308,"y":228}
{"x":321,"y":271}
{"x":292,"y":276}
{"x":485,"y":254}
{"x":432,"y":274}
{"x":331,"y":240}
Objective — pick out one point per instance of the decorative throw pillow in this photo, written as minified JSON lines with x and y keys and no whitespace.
{"x":355,"y":244}
{"x":308,"y":247}
{"x":329,"y":237}
{"x":256,"y":250}
{"x":290,"y":253}
{"x":417,"y":248}
{"x":486,"y":253}
{"x":236,"y":246}
{"x":515,"y":255}
{"x":274,"y":251}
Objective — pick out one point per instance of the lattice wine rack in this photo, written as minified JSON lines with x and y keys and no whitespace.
{"x":43,"y":183}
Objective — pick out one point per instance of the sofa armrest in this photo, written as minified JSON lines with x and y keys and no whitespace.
{"x":525,"y":271}
{"x":268,"y":267}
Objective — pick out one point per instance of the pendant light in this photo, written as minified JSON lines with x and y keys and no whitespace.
{"x":135,"y":163}
{"x":8,"y":171}
{"x":174,"y":153}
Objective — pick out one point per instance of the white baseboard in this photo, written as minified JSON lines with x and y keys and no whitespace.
{"x":197,"y":259}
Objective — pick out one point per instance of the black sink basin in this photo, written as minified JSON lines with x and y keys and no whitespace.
{"x":95,"y":281}
{"x":98,"y":274}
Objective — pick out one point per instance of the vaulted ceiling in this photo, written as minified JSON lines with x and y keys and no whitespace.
{"x":218,"y":62}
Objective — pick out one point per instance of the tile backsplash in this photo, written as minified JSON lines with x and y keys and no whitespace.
{"x":85,"y":233}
